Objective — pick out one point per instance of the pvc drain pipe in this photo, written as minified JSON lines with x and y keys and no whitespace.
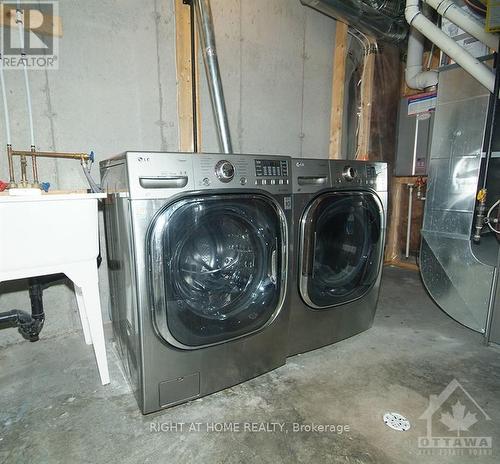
{"x":472,"y":65}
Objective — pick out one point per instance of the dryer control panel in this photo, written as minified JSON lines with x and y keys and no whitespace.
{"x":310,"y":175}
{"x":355,"y":174}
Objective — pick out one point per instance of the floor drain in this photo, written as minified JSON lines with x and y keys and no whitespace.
{"x":396,"y":421}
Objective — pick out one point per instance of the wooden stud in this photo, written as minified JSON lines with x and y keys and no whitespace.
{"x":367,"y":81}
{"x":185,"y":82}
{"x":392,"y":251}
{"x":197,"y":86}
{"x":338,"y":86}
{"x":397,"y":202}
{"x":184,"y":76}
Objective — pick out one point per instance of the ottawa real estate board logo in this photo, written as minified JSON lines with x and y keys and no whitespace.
{"x":30,"y":34}
{"x":456,"y":425}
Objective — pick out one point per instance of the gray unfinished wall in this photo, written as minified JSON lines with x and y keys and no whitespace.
{"x":276,"y":62}
{"x":115,"y":90}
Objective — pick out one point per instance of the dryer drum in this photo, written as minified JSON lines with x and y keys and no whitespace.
{"x":343,"y":247}
{"x":345,"y":250}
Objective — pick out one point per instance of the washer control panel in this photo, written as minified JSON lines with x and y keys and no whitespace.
{"x":163,"y":174}
{"x":271,"y":173}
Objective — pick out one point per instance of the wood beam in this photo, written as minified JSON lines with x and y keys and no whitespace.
{"x":397,"y":210}
{"x":338,"y":86}
{"x":367,"y":84}
{"x":392,"y":252}
{"x":188,"y":116}
{"x":197,"y":86}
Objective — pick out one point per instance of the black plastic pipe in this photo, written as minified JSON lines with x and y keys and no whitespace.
{"x":30,"y":326}
{"x":13,"y":317}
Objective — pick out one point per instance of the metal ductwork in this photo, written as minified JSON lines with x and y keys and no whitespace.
{"x":207,"y":41}
{"x":458,"y":273}
{"x":381,"y":19}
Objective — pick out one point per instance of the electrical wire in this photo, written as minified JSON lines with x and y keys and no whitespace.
{"x":5,"y":103}
{"x":373,"y":48}
{"x":354,"y":35}
{"x":366,"y":42}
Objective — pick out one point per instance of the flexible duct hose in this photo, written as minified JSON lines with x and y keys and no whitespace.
{"x":381,"y":19}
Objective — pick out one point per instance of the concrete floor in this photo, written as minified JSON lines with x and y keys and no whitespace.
{"x":53,"y":410}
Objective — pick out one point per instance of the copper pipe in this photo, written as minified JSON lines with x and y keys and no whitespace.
{"x":24,"y":165}
{"x":51,"y":154}
{"x":12,"y":179}
{"x":34,"y":165}
{"x":33,"y":154}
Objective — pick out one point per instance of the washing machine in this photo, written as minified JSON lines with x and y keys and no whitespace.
{"x":197,"y":250}
{"x":339,"y":231}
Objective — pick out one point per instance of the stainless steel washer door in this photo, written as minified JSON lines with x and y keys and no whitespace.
{"x":341,"y":245}
{"x":217,"y":268}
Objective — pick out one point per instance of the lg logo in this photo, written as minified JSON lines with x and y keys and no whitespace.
{"x":143,"y":159}
{"x":299,"y":164}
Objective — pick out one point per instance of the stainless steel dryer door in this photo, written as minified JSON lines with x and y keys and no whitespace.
{"x":341,"y":245}
{"x":217,"y":268}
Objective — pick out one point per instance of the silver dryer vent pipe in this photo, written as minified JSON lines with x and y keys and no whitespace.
{"x":209,"y":51}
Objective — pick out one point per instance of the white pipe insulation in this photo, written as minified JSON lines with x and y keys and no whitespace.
{"x":472,"y":65}
{"x":465,"y":21}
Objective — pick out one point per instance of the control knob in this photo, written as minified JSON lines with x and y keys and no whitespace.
{"x":349,"y":173}
{"x":224,"y":171}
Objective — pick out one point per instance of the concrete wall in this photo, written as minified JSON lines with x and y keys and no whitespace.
{"x":116,"y":90}
{"x":276,"y":62}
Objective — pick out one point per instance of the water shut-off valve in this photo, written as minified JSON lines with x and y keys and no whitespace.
{"x":480,"y":214}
